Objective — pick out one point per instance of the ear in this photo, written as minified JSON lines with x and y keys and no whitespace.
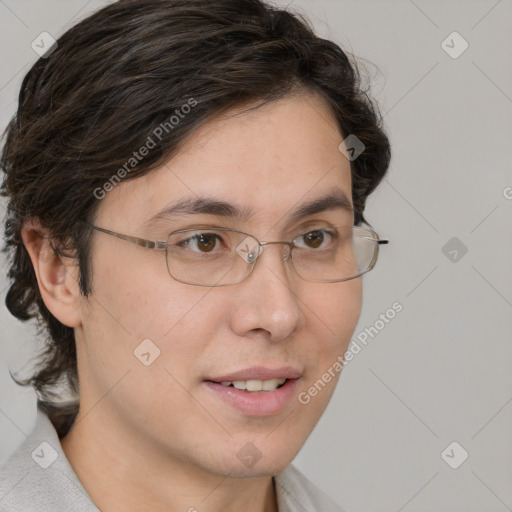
{"x":57,"y":276}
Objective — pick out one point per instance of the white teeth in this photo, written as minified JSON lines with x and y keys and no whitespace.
{"x":256,"y":385}
{"x":253,"y":385}
{"x":269,"y":385}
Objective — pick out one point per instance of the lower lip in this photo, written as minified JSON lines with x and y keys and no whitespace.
{"x":256,"y":403}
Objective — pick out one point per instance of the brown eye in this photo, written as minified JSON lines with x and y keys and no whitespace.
{"x":201,"y":242}
{"x":314,"y":239}
{"x":206,"y":242}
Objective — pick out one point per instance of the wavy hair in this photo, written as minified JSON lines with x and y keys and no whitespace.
{"x":110,"y":81}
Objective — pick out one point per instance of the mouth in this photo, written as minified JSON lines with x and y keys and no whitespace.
{"x":256,"y":392}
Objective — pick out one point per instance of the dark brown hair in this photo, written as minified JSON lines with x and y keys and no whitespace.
{"x":112,"y":80}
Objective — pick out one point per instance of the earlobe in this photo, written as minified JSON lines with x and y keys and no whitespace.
{"x":57,"y":276}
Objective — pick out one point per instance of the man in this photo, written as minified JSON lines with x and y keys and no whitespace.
{"x":186,"y":185}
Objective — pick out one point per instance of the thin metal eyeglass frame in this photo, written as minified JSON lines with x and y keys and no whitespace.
{"x":162,"y":246}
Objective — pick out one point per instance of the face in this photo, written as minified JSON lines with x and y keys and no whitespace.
{"x":273,"y":324}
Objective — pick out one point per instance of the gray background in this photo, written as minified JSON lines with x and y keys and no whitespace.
{"x":440,"y":370}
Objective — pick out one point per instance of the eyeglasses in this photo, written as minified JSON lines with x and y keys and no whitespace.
{"x":223,"y":256}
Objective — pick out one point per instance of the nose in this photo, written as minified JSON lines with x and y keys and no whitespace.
{"x":267,"y":301}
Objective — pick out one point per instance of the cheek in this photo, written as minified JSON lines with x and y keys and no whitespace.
{"x":128,"y":307}
{"x":333,"y":314}
{"x":134,"y":298}
{"x":133,"y":288}
{"x":335,"y":310}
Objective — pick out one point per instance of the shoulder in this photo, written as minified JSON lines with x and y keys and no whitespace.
{"x":296,"y":493}
{"x":38,"y":477}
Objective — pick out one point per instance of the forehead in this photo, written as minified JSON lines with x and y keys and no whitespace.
{"x":252,"y":165}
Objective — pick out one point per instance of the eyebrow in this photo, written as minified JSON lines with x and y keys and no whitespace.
{"x":334,"y":199}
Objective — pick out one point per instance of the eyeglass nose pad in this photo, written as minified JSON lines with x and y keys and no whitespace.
{"x":249,"y":250}
{"x":288,"y":251}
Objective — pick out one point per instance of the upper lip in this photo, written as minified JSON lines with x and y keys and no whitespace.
{"x":259,"y":373}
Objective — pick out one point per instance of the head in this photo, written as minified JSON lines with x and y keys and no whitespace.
{"x":151,"y":102}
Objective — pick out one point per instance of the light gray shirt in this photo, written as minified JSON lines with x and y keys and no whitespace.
{"x":38,"y":478}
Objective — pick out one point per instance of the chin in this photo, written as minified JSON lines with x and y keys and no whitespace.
{"x":259,"y":470}
{"x":264,"y":458}
{"x":249,"y":459}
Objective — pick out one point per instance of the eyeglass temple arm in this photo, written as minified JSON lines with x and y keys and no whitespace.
{"x":148,"y":244}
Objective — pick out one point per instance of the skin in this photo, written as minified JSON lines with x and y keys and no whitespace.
{"x":154,"y":437}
